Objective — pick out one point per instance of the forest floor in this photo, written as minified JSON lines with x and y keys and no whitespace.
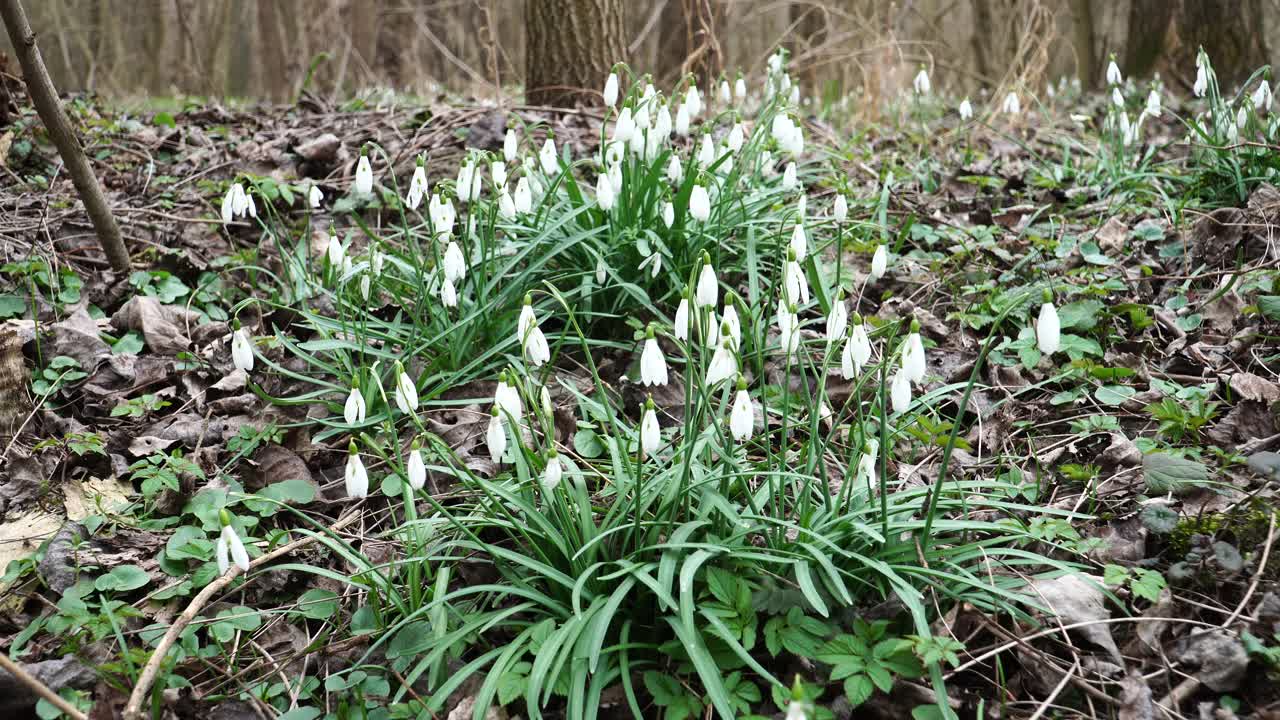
{"x":1140,"y":459}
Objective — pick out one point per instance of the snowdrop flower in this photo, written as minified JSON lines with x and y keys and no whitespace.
{"x":742,"y":416}
{"x":1153,"y":103}
{"x":354,"y":410}
{"x":682,"y":120}
{"x":707,"y":151}
{"x":364,"y":176}
{"x":837,"y":320}
{"x":611,"y":90}
{"x":712,"y":326}
{"x":781,"y":128}
{"x":1262,"y":97}
{"x":229,"y":544}
{"x":468,"y":183}
{"x":653,"y":262}
{"x":531,"y":339}
{"x":1012,"y":105}
{"x":507,"y":398}
{"x":675,"y":171}
{"x":650,"y":433}
{"x":662,"y":126}
{"x":1126,"y":131}
{"x":455,"y":266}
{"x":523,"y":199}
{"x":653,"y":365}
{"x":857,"y":351}
{"x":699,"y":203}
{"x":1242,"y":117}
{"x":731,"y":322}
{"x":668,"y":214}
{"x":604,"y":193}
{"x":495,"y":436}
{"x":693,"y":100}
{"x":1201,"y":85}
{"x":365,"y":287}
{"x":548,"y":158}
{"x":900,"y":391}
{"x":740,"y":88}
{"x":415,"y":468}
{"x":553,"y":472}
{"x":737,"y":137}
{"x":726,"y":94}
{"x":1116,"y":98}
{"x":357,"y":478}
{"x":913,"y":360}
{"x":498,"y":170}
{"x":506,"y":206}
{"x":442,"y":214}
{"x":448,"y":294}
{"x":723,"y":365}
{"x":510,"y":145}
{"x":797,"y":288}
{"x":1048,"y":329}
{"x":966,"y":110}
{"x":624,"y":127}
{"x":234,"y":203}
{"x":602,"y":270}
{"x":840,"y":209}
{"x":788,"y":327}
{"x":921,"y":83}
{"x":1113,"y":73}
{"x":775,"y":62}
{"x":241,"y":350}
{"x":799,"y":242}
{"x":879,"y":262}
{"x":315,"y":196}
{"x":708,"y":290}
{"x":681,"y":324}
{"x":766,"y":164}
{"x":866,"y":472}
{"x":417,"y":186}
{"x":789,"y":180}
{"x":795,"y":95}
{"x":406,"y":391}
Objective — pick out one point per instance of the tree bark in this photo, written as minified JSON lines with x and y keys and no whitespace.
{"x":1148,"y":28}
{"x":571,"y":46}
{"x":1230,"y":31}
{"x":45,"y":98}
{"x":1086,"y":57}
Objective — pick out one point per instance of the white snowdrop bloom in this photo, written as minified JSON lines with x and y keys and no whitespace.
{"x":708,"y":289}
{"x":642,"y":117}
{"x":522,"y":200}
{"x":548,"y":158}
{"x":544,"y":397}
{"x":799,"y":242}
{"x":788,"y":328}
{"x":921,"y":83}
{"x":354,"y":409}
{"x":712,"y":326}
{"x":650,"y":433}
{"x":507,"y":399}
{"x":789,"y":180}
{"x":726,"y":93}
{"x":506,"y":206}
{"x":1201,"y":85}
{"x":415,"y":468}
{"x":1242,"y":117}
{"x":775,"y":62}
{"x":615,"y":178}
{"x":553,"y":472}
{"x":249,"y":206}
{"x":1153,"y":103}
{"x":1113,"y":73}
{"x":229,"y":547}
{"x":866,"y":472}
{"x":731,"y":323}
{"x":879,"y":262}
{"x":699,"y":203}
{"x":706,"y":151}
{"x":355,"y":476}
{"x":233,"y":202}
{"x":849,"y":368}
{"x":723,"y":365}
{"x":1126,"y":131}
{"x":840,"y":209}
{"x":740,"y":88}
{"x":766,"y":164}
{"x":837,"y":320}
{"x":406,"y":391}
{"x":455,"y":266}
{"x":417,"y":187}
{"x":624,"y":127}
{"x":364,"y":176}
{"x":742,"y":416}
{"x":693,"y":100}
{"x":443,"y":216}
{"x":498,"y":170}
{"x":1048,"y":329}
{"x":448,"y":294}
{"x":1011,"y":105}
{"x":532,"y":341}
{"x":737,"y":137}
{"x":510,"y":145}
{"x":604,"y":193}
{"x":366,"y":286}
{"x":653,"y":364}
{"x":638,"y":143}
{"x":1262,"y":97}
{"x":966,"y":110}
{"x":662,"y":125}
{"x":900,"y":391}
{"x":241,"y":350}
{"x":860,"y":345}
{"x":797,"y":287}
{"x":468,"y":183}
{"x":602,"y":271}
{"x":794,"y":143}
{"x":1116,"y":98}
{"x":795,"y":95}
{"x":668,"y":213}
{"x":495,"y":436}
{"x":376,"y":260}
{"x":913,"y":359}
{"x":611,"y":90}
{"x":781,"y":128}
{"x":675,"y":170}
{"x":653,"y":262}
{"x":315,"y":196}
{"x":1232,"y":133}
{"x":682,"y":120}
{"x":681,"y":324}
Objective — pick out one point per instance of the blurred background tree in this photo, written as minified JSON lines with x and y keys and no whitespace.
{"x":275,"y":49}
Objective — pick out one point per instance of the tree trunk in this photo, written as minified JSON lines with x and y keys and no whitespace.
{"x":810,"y":22}
{"x":571,"y":46}
{"x":1086,"y":65}
{"x":45,"y":99}
{"x":1230,"y":31}
{"x":1148,"y":28}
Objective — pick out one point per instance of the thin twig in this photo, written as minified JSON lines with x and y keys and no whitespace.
{"x":1257,"y":574}
{"x":40,"y":688}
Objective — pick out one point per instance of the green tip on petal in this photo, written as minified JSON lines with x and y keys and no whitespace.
{"x":648,"y":402}
{"x":742,"y":382}
{"x":351,"y":447}
{"x":528,"y":299}
{"x":552,"y":454}
{"x":685,"y":293}
{"x":791,"y":254}
{"x":399,"y":367}
{"x":793,"y":309}
{"x":1046,"y":295}
{"x":355,"y":382}
{"x":915,"y":325}
{"x":224,"y":517}
{"x":797,"y":690}
{"x":648,"y":332}
{"x":416,"y":444}
{"x":855,"y":318}
{"x":706,"y":258}
{"x":494,"y":411}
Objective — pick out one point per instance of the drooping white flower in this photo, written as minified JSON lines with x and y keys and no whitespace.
{"x":417,"y":187}
{"x":522,"y":200}
{"x":693,"y":100}
{"x":681,"y":324}
{"x":315,"y":196}
{"x":448,"y":294}
{"x":650,"y":433}
{"x":731,"y":323}
{"x":723,"y":365}
{"x":797,"y":287}
{"x":235,"y":203}
{"x":602,"y":270}
{"x":866,"y":472}
{"x":1116,"y":98}
{"x":604,"y":193}
{"x":1262,"y":97}
{"x":742,"y":416}
{"x":653,"y":364}
{"x":740,"y":88}
{"x":966,"y":110}
{"x":1201,"y":85}
{"x":548,"y":158}
{"x":415,"y":468}
{"x":879,"y":262}
{"x":1048,"y":329}
{"x":682,"y":120}
{"x":789,"y":180}
{"x":699,"y":203}
{"x":662,"y":126}
{"x":675,"y":170}
{"x":241,"y":350}
{"x":442,"y":214}
{"x":467,"y":186}
{"x":364,"y":176}
{"x":507,"y":398}
{"x":498,"y":170}
{"x":532,"y":341}
{"x":708,"y":290}
{"x":1113,"y":73}
{"x":837,"y":320}
{"x":1242,"y":117}
{"x":726,"y":94}
{"x":788,"y":327}
{"x":335,"y":252}
{"x":737,"y":137}
{"x":356,"y":477}
{"x":553,"y":472}
{"x":354,"y":409}
{"x":1153,"y":103}
{"x":495,"y":436}
{"x":624,"y":127}
{"x":406,"y":391}
{"x":1011,"y":105}
{"x":510,"y":145}
{"x":799,"y":242}
{"x":668,"y":213}
{"x":611,"y":90}
{"x":711,"y":325}
{"x":706,"y":151}
{"x":860,"y":345}
{"x":506,"y":206}
{"x":366,"y":286}
{"x":900,"y":391}
{"x":913,"y":359}
{"x":455,"y":265}
{"x":840,"y":208}
{"x":229,"y":544}
{"x":921,"y":83}
{"x":653,"y":262}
